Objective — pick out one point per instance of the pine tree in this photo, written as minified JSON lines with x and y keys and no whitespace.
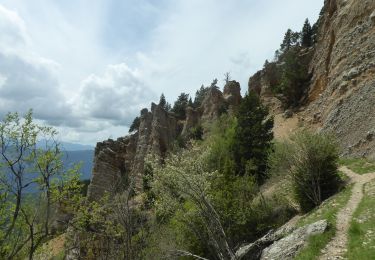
{"x":164,"y":104}
{"x":214,"y":84}
{"x":200,"y":95}
{"x":314,"y":32}
{"x":253,"y":137}
{"x":307,"y":35}
{"x":162,"y":101}
{"x":179,"y":108}
{"x":190,"y":104}
{"x":287,"y":42}
{"x":135,"y":125}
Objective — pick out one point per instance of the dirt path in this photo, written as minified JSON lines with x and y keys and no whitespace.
{"x":336,"y":248}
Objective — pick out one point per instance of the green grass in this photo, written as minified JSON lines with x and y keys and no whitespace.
{"x":362,"y":228}
{"x":328,"y":210}
{"x":359,"y":165}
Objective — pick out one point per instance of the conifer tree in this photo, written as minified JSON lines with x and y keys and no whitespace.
{"x":287,"y":42}
{"x":162,"y":101}
{"x":190,"y":104}
{"x":253,"y":137}
{"x":164,"y":104}
{"x":307,"y":34}
{"x":135,"y":125}
{"x":180,"y":106}
{"x":200,"y":95}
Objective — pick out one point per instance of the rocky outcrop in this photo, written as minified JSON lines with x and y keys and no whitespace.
{"x":216,"y":102}
{"x":212,"y":104}
{"x":192,"y":120}
{"x":284,"y":243}
{"x":342,"y":92}
{"x":120,"y":162}
{"x":289,"y":246}
{"x":117,"y":163}
{"x":232,"y":94}
{"x":111,"y":165}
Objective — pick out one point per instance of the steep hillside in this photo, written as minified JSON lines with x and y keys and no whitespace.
{"x":341,"y":95}
{"x":342,"y":92}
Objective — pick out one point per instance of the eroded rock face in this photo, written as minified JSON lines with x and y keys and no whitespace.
{"x":343,"y":84}
{"x":212,"y":104}
{"x":123,"y":159}
{"x":342,"y":89}
{"x":109,"y":166}
{"x":192,"y":120}
{"x":232,"y":94}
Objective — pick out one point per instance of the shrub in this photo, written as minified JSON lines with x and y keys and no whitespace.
{"x":196,"y":133}
{"x":312,"y":162}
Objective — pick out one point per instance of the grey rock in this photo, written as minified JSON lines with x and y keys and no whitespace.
{"x":289,"y":246}
{"x":288,"y":113}
{"x":351,"y":74}
{"x":370,"y":136}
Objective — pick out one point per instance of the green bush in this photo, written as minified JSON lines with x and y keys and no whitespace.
{"x":312,"y":162}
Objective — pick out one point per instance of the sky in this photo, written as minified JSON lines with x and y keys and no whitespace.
{"x":87,"y":67}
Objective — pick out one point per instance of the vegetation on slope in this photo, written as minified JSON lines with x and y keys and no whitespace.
{"x":359,"y":165}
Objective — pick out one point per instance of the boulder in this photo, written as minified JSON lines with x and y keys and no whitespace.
{"x":283,"y":243}
{"x":288,"y":247}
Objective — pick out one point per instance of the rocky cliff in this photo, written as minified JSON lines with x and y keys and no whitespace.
{"x":341,"y":95}
{"x":342,"y":92}
{"x":119,"y":162}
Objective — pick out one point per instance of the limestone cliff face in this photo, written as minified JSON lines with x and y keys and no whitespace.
{"x":118,"y":162}
{"x":342,"y":92}
{"x":121,"y":161}
{"x":341,"y":97}
{"x":111,"y":163}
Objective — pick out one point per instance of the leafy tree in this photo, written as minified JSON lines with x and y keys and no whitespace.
{"x":135,"y":125}
{"x":307,"y":35}
{"x":25,"y":219}
{"x":180,"y":105}
{"x":181,"y":186}
{"x":253,"y":137}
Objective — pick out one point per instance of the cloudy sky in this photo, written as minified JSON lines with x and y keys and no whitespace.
{"x":88,"y":66}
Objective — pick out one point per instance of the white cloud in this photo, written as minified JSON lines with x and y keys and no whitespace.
{"x":48,"y":49}
{"x":12,"y":28}
{"x":27,"y":79}
{"x":117,"y":95}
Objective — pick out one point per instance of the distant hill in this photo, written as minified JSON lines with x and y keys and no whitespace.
{"x":66,"y":146}
{"x":76,"y":153}
{"x":76,"y":156}
{"x":76,"y":147}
